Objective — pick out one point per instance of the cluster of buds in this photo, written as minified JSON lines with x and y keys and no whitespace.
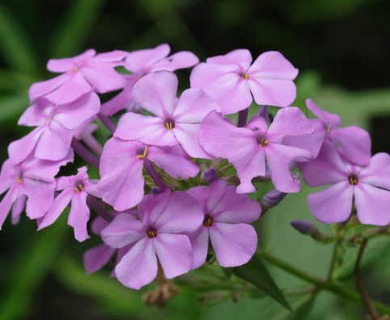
{"x":173,"y":177}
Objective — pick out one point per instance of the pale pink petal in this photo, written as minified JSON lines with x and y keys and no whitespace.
{"x":377,"y":173}
{"x":138,"y":267}
{"x":66,"y":64}
{"x":280,"y":160}
{"x":179,"y":60}
{"x":182,"y":214}
{"x":96,"y":258}
{"x":40,"y":197}
{"x":372,"y":205}
{"x":156,"y":93}
{"x":37,"y":113}
{"x":122,"y":231}
{"x":327,"y":168}
{"x":17,"y":208}
{"x":204,"y":75}
{"x":114,"y":57}
{"x":103,"y":78}
{"x":54,"y":143}
{"x":234,"y":244}
{"x":354,"y":144}
{"x":273,"y":65}
{"x":332,"y":205}
{"x":20,"y":149}
{"x":147,"y":129}
{"x":248,"y":167}
{"x":209,"y":197}
{"x":187,"y":135}
{"x":174,"y":252}
{"x":58,"y":206}
{"x":152,"y":206}
{"x":6,"y":204}
{"x":330,"y":120}
{"x":42,"y":88}
{"x":200,"y":244}
{"x":239,"y":57}
{"x":73,"y":115}
{"x":174,"y":161}
{"x":79,"y":216}
{"x":142,"y":60}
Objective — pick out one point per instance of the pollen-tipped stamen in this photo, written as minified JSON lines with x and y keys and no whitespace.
{"x":245,"y":76}
{"x":263,"y":142}
{"x":169,"y":124}
{"x":78,"y":187}
{"x":151,"y":233}
{"x":143,"y":153}
{"x":353,"y":180}
{"x":19,"y":180}
{"x":208,"y":221}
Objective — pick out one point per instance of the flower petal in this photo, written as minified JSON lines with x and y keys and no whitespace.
{"x":79,"y":216}
{"x":327,"y":118}
{"x":200,"y":244}
{"x":96,"y":258}
{"x":103,"y":78}
{"x":140,"y":61}
{"x":58,"y":206}
{"x":377,"y":173}
{"x":179,"y":60}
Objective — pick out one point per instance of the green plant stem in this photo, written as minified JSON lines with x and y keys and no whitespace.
{"x":336,"y":288}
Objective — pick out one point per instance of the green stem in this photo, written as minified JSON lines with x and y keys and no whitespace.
{"x":336,"y":288}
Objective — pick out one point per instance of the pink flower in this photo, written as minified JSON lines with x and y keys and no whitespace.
{"x":121,"y":164}
{"x":290,"y":139}
{"x":353,"y":143}
{"x":56,"y":125}
{"x":367,"y":188}
{"x":231,"y":80}
{"x":226,"y":224}
{"x":143,"y":62}
{"x":75,"y":190}
{"x":31,"y":184}
{"x":87,"y":72}
{"x":159,"y":234}
{"x":174,"y":121}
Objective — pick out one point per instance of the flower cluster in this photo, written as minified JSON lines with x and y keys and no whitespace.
{"x":170,"y":186}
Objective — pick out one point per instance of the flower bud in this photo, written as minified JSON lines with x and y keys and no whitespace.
{"x":273,"y":198}
{"x":209,"y":175}
{"x":304,"y":226}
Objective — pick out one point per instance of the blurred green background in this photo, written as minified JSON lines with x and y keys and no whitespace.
{"x":342,"y":49}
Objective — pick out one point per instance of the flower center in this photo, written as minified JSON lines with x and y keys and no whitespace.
{"x":263,"y":142}
{"x":142,"y":153}
{"x":78,"y":186}
{"x":208,"y":221}
{"x":169,"y":124}
{"x":151,"y":233}
{"x":353,"y":180}
{"x":245,"y":76}
{"x":19,"y":180}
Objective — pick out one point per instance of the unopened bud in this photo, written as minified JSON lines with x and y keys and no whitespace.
{"x":156,"y":190}
{"x":273,"y":198}
{"x":209,"y":175}
{"x":304,"y":226}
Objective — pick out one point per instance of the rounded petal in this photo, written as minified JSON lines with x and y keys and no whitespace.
{"x":327,"y":118}
{"x":103,"y":78}
{"x":122,"y":231}
{"x":187,"y":135}
{"x":234,"y":244}
{"x":96,"y":258}
{"x":354,"y":144}
{"x":200,"y":244}
{"x":238,"y":57}
{"x":332,"y":205}
{"x":146,"y":129}
{"x":66,"y":64}
{"x":372,"y":205}
{"x":79,"y":216}
{"x":209,"y":196}
{"x":138,"y":266}
{"x":272,"y":92}
{"x":40,"y":197}
{"x":58,"y":206}
{"x":156,"y":93}
{"x":142,"y":60}
{"x":20,"y":149}
{"x":182,"y":214}
{"x":174,"y":252}
{"x":377,"y":173}
{"x":42,"y":88}
{"x":174,"y":161}
{"x":179,"y":60}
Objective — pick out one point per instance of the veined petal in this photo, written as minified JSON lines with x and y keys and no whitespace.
{"x":142,"y":60}
{"x":42,"y":88}
{"x":238,"y":57}
{"x":332,"y":205}
{"x":79,"y":216}
{"x":377,"y":173}
{"x":179,"y":60}
{"x":58,"y":206}
{"x":97,"y":257}
{"x":66,"y":64}
{"x":20,"y":149}
{"x":174,"y":253}
{"x":200,"y":244}
{"x":103,"y":78}
{"x":272,"y":92}
{"x":273,"y":64}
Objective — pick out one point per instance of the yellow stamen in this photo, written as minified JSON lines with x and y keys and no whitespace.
{"x":143,"y":155}
{"x":152,"y":233}
{"x":353,"y":180}
{"x":208,"y":221}
{"x":78,"y":188}
{"x":169,"y":124}
{"x":263,"y":142}
{"x":19,"y":180}
{"x":246,"y":76}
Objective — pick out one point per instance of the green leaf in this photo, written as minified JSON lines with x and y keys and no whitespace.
{"x":15,"y":45}
{"x":257,"y":273}
{"x":75,"y":26}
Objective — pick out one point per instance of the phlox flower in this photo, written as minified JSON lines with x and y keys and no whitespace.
{"x":87,"y":72}
{"x":353,"y":143}
{"x":74,"y":191}
{"x":232,"y":79}
{"x":365,"y":188}
{"x":56,"y":127}
{"x":157,"y":235}
{"x":30,"y":184}
{"x":226,"y":225}
{"x":142,"y":62}
{"x":253,"y":150}
{"x":121,"y":180}
{"x":174,"y":121}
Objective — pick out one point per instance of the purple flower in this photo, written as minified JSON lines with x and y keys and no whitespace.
{"x":174,"y":121}
{"x":56,"y":125}
{"x":226,"y":224}
{"x":367,"y":188}
{"x":31,"y":184}
{"x":75,"y":190}
{"x":159,"y":233}
{"x":143,"y":62}
{"x":231,"y":80}
{"x":82,"y":74}
{"x":121,"y":164}
{"x":353,"y":143}
{"x":290,"y":139}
